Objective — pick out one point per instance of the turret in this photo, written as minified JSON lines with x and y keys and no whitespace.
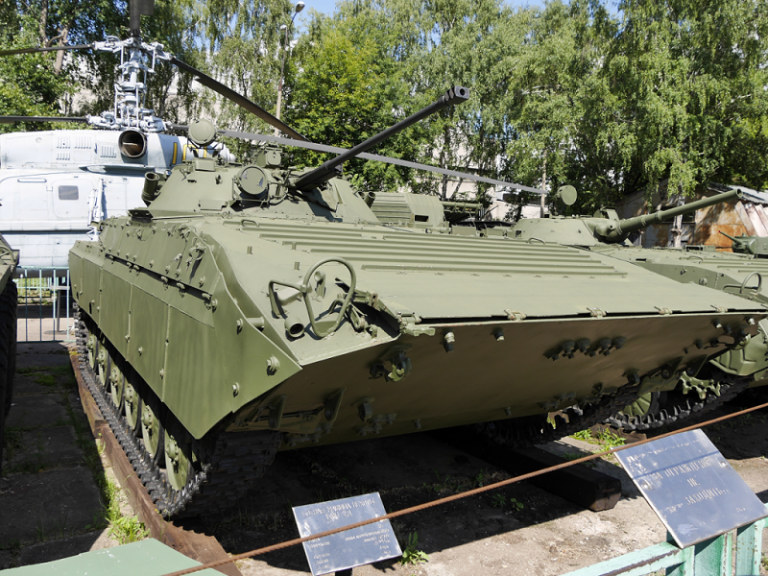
{"x":605,"y":227}
{"x":617,"y":230}
{"x":756,"y":245}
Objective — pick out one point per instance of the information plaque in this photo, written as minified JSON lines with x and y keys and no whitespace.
{"x":691,"y":486}
{"x":363,"y":545}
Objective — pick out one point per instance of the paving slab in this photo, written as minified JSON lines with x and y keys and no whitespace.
{"x":51,"y":447}
{"x":49,"y":504}
{"x":41,"y":354}
{"x":53,"y":513}
{"x":35,"y":411}
{"x":6,"y":559}
{"x":25,"y":385}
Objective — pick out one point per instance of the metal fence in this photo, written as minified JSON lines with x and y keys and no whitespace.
{"x":45,"y":305}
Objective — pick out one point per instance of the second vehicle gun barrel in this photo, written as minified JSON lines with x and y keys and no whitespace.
{"x":613,"y":230}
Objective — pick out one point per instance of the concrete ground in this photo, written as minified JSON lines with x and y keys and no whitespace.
{"x":52,"y":494}
{"x":544,"y":536}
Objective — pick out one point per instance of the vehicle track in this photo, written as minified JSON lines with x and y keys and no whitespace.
{"x":227,"y":470}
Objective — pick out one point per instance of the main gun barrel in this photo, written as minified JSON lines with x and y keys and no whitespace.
{"x":731,"y":237}
{"x":624,"y":227}
{"x":326,"y":171}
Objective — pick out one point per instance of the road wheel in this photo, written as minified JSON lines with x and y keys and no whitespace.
{"x":151,"y":431}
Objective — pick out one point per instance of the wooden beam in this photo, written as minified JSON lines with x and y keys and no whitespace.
{"x":197,"y":546}
{"x":581,"y":485}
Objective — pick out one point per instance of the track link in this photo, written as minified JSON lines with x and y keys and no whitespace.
{"x":677,"y":406}
{"x":532,"y":430}
{"x":228,"y":470}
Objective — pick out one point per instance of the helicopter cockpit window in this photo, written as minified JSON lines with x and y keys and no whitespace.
{"x":69,"y":193}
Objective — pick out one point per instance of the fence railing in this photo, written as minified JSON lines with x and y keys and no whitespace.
{"x":736,"y":553}
{"x":45,"y":306}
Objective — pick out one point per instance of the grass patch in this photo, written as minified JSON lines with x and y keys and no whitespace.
{"x":605,"y":438}
{"x":411,"y":554}
{"x":46,"y":380}
{"x":28,"y":370}
{"x":501,"y":501}
{"x":49,"y":375}
{"x":456,"y":484}
{"x":125,"y":529}
{"x":575,"y":456}
{"x":584,"y":436}
{"x":12,"y":442}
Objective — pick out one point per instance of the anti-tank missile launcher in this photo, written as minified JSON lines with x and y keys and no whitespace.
{"x":254,"y":308}
{"x":721,"y":378}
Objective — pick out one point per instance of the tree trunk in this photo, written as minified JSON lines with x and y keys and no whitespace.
{"x":57,"y":66}
{"x":544,"y":184}
{"x":42,"y":31}
{"x":445,"y":154}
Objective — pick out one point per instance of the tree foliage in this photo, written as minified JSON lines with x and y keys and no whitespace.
{"x":244,"y":43}
{"x":52,"y":83}
{"x":610,"y":100}
{"x":692,"y":79}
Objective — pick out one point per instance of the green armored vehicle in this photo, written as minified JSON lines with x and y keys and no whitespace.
{"x":255,"y":308}
{"x":755,"y":245}
{"x":739,"y":274}
{"x":8,"y":260}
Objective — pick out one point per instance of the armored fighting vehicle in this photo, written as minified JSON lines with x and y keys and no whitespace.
{"x":254,"y":308}
{"x":755,"y":245}
{"x":8,"y":260}
{"x":740,"y":274}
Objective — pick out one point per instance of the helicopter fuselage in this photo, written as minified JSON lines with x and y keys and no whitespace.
{"x":54,"y":184}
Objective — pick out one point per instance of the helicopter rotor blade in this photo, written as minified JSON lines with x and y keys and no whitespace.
{"x":51,"y":49}
{"x":397,"y":161}
{"x":238,"y":99}
{"x":13,"y":119}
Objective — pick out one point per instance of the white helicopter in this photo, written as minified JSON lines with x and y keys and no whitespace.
{"x":54,"y":184}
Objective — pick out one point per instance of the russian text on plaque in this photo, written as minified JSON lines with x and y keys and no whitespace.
{"x":691,"y":486}
{"x":364,"y":545}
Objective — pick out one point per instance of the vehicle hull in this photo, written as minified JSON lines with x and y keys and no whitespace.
{"x":189,"y":328}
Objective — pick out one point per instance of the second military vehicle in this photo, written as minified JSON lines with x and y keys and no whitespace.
{"x":723,"y":377}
